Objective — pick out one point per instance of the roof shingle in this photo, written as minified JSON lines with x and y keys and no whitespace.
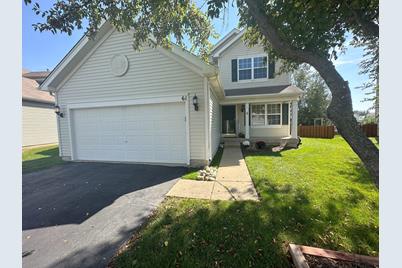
{"x":31,"y":92}
{"x":255,"y":90}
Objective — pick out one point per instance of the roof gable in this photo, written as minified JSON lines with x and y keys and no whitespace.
{"x":224,"y":40}
{"x":220,"y":49}
{"x":85,"y":47}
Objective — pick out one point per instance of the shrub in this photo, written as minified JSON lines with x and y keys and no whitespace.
{"x":260,"y":145}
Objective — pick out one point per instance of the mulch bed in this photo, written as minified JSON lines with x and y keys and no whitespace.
{"x":311,"y":257}
{"x":322,"y":262}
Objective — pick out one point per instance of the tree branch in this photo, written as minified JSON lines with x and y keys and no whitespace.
{"x":285,"y":50}
{"x":340,"y":111}
{"x":369,"y":28}
{"x":265,"y":24}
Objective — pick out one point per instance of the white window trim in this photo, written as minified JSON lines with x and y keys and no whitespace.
{"x":252,"y":68}
{"x":266,"y":116}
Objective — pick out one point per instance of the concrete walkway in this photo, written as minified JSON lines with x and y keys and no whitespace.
{"x":233,"y":181}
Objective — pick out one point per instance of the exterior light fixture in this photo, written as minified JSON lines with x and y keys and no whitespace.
{"x":195,"y":102}
{"x":58,"y":111}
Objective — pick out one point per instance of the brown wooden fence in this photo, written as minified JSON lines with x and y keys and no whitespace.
{"x":327,"y":132}
{"x":370,"y":130}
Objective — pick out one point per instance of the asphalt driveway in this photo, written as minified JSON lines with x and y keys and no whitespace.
{"x":78,"y":214}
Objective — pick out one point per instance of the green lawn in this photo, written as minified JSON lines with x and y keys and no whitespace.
{"x":193,"y":172}
{"x":318,"y":195}
{"x":40,"y":158}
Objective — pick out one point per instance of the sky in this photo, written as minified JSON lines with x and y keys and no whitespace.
{"x":42,"y":51}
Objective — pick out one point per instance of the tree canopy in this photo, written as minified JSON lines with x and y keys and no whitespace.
{"x":298,"y":31}
{"x":315,"y":100}
{"x":165,"y":21}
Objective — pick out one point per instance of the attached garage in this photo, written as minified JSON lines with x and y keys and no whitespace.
{"x":122,"y":105}
{"x":150,"y":133}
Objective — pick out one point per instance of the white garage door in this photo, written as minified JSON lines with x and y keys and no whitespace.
{"x":153,"y":133}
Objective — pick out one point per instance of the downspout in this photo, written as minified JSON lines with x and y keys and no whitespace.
{"x":207,"y":136}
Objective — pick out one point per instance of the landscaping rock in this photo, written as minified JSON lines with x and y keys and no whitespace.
{"x":207,"y":174}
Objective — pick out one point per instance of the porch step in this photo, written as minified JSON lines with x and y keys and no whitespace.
{"x":232,"y":141}
{"x":235,"y":139}
{"x":232,"y":144}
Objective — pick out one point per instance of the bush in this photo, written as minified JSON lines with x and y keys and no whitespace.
{"x":260,"y":145}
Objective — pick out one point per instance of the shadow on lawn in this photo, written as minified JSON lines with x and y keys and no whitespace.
{"x":356,"y":172}
{"x":51,"y":158}
{"x":221,"y":234}
{"x":262,"y":152}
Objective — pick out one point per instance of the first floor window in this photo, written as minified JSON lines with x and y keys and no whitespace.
{"x":266,"y":114}
{"x":258,"y":115}
{"x":274,"y":114}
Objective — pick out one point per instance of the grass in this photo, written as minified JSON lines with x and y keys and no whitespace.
{"x":318,"y":195}
{"x":193,"y":173}
{"x":40,"y":158}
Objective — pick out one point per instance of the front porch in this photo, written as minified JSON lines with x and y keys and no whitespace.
{"x":275,"y":123}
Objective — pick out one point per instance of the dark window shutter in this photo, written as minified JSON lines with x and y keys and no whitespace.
{"x":271,"y":68}
{"x":234,"y":70}
{"x":285,"y":113}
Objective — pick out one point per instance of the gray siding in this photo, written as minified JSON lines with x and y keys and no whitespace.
{"x":151,"y":74}
{"x":215,"y":122}
{"x":239,"y":49}
{"x":38,"y":124}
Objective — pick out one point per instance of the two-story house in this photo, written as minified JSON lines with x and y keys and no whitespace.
{"x":167,"y":106}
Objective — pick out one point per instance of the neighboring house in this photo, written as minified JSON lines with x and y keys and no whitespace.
{"x":167,"y":106}
{"x":39,"y":125}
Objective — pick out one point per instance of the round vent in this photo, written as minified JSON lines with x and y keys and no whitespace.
{"x":119,"y":65}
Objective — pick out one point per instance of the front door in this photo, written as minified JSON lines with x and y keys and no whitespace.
{"x":229,"y":119}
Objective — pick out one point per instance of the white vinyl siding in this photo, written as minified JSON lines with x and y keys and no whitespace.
{"x":215,"y":122}
{"x":277,"y":132}
{"x":151,"y":74}
{"x":39,"y":125}
{"x":239,"y":50}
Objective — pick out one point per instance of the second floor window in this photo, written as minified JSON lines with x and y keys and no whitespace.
{"x":260,"y":67}
{"x":253,"y":68}
{"x":245,"y":70}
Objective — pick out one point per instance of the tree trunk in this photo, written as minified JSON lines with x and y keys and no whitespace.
{"x":377,"y":109}
{"x":340,"y":110}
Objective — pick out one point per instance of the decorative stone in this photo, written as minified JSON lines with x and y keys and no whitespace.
{"x":207,"y":174}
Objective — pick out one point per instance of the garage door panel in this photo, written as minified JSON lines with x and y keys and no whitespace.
{"x":112,"y":140}
{"x":140,"y":133}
